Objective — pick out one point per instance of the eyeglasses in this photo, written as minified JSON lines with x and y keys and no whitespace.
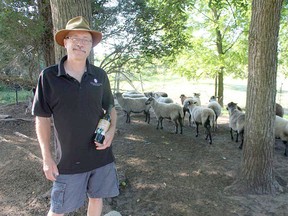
{"x":76,"y":40}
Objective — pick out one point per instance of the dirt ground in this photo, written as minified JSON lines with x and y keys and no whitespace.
{"x":161,"y":173}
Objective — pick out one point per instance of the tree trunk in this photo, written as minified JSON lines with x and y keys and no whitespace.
{"x":47,"y":38}
{"x":64,"y":10}
{"x":221,"y":87}
{"x":256,"y":172}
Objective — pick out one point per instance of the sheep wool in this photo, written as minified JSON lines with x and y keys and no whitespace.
{"x":133,"y":105}
{"x":171,"y":111}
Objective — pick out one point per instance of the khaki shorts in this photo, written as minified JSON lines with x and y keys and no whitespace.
{"x":69,"y":192}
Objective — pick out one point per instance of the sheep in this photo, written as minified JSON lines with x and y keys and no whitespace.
{"x":134,"y":105}
{"x":163,"y":99}
{"x":185,"y":109}
{"x":215,"y":106}
{"x":201,"y":115}
{"x":149,"y":94}
{"x":279,"y":110}
{"x":171,"y":111}
{"x":132,"y":94}
{"x":236,"y":122}
{"x":281,"y":131}
{"x":196,"y":97}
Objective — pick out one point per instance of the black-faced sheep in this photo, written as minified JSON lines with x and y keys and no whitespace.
{"x":196,"y":98}
{"x":215,"y":106}
{"x":236,"y":122}
{"x":171,"y":111}
{"x":133,"y":105}
{"x":201,"y":116}
{"x":152,"y":94}
{"x":281,"y":131}
{"x":185,"y":109}
{"x":279,"y":110}
{"x":163,"y":99}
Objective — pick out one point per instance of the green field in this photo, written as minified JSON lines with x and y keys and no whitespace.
{"x":9,"y":95}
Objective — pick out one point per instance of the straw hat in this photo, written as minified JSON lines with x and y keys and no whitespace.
{"x":77,"y":24}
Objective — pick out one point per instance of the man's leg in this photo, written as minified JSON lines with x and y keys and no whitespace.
{"x":50,"y":213}
{"x":95,"y":206}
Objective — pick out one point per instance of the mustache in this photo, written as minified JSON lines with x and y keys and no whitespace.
{"x":79,"y":49}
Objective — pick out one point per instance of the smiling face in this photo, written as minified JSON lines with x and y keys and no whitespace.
{"x":78,"y":44}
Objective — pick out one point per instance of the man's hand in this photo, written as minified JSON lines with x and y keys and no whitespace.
{"x":109,"y":135}
{"x":50,"y":169}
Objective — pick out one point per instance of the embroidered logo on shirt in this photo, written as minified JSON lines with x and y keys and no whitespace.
{"x":95,"y":83}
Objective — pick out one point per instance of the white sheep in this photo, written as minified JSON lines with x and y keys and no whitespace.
{"x":133,"y":105}
{"x":171,"y":111}
{"x":281,"y":131}
{"x":133,"y":94}
{"x":196,"y":98}
{"x":185,"y":109}
{"x":215,"y":106}
{"x":162,"y":99}
{"x":201,"y":116}
{"x":152,"y":94}
{"x":236,"y":122}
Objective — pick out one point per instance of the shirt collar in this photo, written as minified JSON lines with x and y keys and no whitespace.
{"x":61,"y":70}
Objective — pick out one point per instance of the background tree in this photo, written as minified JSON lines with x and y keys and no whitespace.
{"x":218,"y":31}
{"x":47,"y":34}
{"x":257,"y":174}
{"x":20,"y":38}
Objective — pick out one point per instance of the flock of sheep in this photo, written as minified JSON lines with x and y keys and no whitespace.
{"x":165,"y":108}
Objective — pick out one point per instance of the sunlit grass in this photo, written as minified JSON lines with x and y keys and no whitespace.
{"x":9,"y":96}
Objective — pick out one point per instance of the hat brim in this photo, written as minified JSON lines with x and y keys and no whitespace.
{"x":61,"y":34}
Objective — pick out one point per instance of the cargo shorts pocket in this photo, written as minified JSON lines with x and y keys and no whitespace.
{"x":57,"y":195}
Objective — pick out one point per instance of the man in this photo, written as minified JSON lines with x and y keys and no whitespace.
{"x":74,"y":94}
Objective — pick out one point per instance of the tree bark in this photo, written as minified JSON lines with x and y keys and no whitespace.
{"x":47,"y":38}
{"x":256,"y":172}
{"x":64,"y":10}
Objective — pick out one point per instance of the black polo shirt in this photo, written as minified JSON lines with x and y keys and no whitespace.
{"x":76,"y":109}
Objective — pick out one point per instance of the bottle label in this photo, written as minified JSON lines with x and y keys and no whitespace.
{"x":104,"y":124}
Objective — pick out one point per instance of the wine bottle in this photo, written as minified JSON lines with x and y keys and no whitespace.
{"x":103,"y":126}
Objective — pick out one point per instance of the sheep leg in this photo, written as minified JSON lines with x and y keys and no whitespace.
{"x":127,"y":117}
{"x":208,"y":130}
{"x":181,"y":120}
{"x":242,"y":139}
{"x":148,"y":117}
{"x":231,"y":133}
{"x":237,"y":136}
{"x":158,"y":122}
{"x":215,"y":126}
{"x":161,"y":121}
{"x":176,"y":127}
{"x":286,"y":148}
{"x":208,"y":134}
{"x":197,"y":129}
{"x":190,"y":120}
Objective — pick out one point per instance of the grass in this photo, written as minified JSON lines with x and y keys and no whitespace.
{"x":9,"y":96}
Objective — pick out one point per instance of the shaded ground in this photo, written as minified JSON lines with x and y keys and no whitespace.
{"x":165,"y":174}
